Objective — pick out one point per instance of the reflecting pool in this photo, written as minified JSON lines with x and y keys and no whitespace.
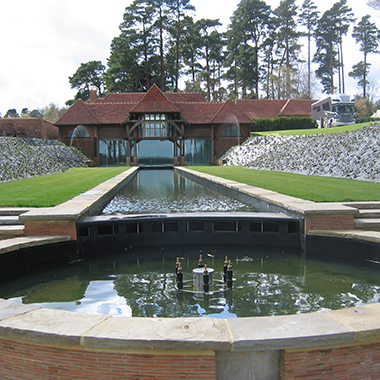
{"x":165,"y":191}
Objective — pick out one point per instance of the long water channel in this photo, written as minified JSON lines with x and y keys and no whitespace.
{"x":141,"y":282}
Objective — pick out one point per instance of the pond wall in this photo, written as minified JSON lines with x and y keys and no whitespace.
{"x":54,"y":344}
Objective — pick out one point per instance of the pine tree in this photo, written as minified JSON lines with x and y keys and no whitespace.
{"x":332,"y":26}
{"x":368,"y":35}
{"x":288,"y":47}
{"x":245,"y":35}
{"x":309,"y":19}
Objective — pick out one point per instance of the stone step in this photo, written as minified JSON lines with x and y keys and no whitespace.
{"x":10,"y":220}
{"x":7,"y":232}
{"x":371,"y":224}
{"x":8,"y":211}
{"x":369,"y":213}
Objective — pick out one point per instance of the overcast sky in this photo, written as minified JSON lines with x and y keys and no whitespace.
{"x":43,"y":42}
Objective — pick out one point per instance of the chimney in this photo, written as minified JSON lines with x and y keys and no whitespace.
{"x":93,"y":96}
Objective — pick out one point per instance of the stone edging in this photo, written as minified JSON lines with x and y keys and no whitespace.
{"x":48,"y":326}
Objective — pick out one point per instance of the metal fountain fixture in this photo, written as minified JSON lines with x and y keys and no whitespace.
{"x":203,"y":281}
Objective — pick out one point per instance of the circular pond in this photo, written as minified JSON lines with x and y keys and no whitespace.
{"x":142,"y":283}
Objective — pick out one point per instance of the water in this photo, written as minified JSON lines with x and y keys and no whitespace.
{"x":165,"y":191}
{"x":141,"y":283}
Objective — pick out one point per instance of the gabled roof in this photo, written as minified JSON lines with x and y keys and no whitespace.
{"x":154,"y":101}
{"x":299,"y":107}
{"x":213,"y":113}
{"x":229,"y":112}
{"x":115,"y":108}
{"x":78,"y":113}
{"x":111,"y":113}
{"x":198,"y":113}
{"x":262,"y":108}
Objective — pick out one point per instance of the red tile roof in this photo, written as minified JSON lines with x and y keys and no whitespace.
{"x":185,"y":97}
{"x":78,"y":113}
{"x":116,"y":108}
{"x":261,"y":108}
{"x":132,"y":97}
{"x":297,"y":107}
{"x":229,"y":112}
{"x":198,"y":113}
{"x":154,"y":101}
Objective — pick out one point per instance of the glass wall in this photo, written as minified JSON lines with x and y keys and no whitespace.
{"x":198,"y":152}
{"x":154,"y":125}
{"x":155,"y":152}
{"x":112,"y":152}
{"x":231,"y":131}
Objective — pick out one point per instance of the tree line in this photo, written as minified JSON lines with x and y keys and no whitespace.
{"x":257,"y":56}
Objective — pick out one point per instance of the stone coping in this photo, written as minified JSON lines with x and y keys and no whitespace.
{"x":15,"y":244}
{"x":96,"y":331}
{"x":370,"y":236}
{"x":196,"y":215}
{"x":301,"y":206}
{"x":80,"y":205}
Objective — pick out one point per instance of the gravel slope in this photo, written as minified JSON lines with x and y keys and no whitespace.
{"x":27,"y":157}
{"x":354,"y":155}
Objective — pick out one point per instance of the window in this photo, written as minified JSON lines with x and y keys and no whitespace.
{"x":154,"y":125}
{"x":78,"y":132}
{"x":112,"y":152}
{"x":231,"y":131}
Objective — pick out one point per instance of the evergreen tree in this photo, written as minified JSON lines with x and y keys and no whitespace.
{"x":368,"y":35}
{"x":327,"y":54}
{"x":192,"y":49}
{"x":309,"y":19}
{"x":134,"y":60}
{"x":245,"y":35}
{"x":179,"y":9}
{"x":343,"y":18}
{"x":87,"y":76}
{"x":288,"y":47}
{"x":209,"y":39}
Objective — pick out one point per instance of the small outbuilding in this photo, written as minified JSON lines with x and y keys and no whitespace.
{"x":28,"y":127}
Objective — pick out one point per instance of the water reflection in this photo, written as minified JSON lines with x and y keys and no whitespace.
{"x":165,"y":191}
{"x":142,"y":284}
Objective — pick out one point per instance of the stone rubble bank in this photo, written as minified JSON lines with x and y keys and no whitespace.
{"x":353,"y":155}
{"x":28,"y":157}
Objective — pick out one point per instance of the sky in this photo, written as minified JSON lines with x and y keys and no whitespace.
{"x":43,"y":42}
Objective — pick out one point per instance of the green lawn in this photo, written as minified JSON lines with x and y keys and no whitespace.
{"x":53,"y":189}
{"x":314,"y":131}
{"x":318,"y":189}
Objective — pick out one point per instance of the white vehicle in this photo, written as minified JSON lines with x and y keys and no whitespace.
{"x":334,"y":110}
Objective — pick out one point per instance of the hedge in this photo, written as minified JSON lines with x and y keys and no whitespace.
{"x":283,"y":123}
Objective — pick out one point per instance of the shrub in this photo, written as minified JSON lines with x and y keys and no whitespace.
{"x":283,"y":123}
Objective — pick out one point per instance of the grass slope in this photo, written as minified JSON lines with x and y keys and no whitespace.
{"x":53,"y":189}
{"x":341,"y":129}
{"x":314,"y":188}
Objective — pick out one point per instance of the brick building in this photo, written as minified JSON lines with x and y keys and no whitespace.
{"x":28,"y":127}
{"x":153,"y":128}
{"x":157,"y":128}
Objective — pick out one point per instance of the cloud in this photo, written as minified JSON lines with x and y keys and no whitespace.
{"x":44,"y":42}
